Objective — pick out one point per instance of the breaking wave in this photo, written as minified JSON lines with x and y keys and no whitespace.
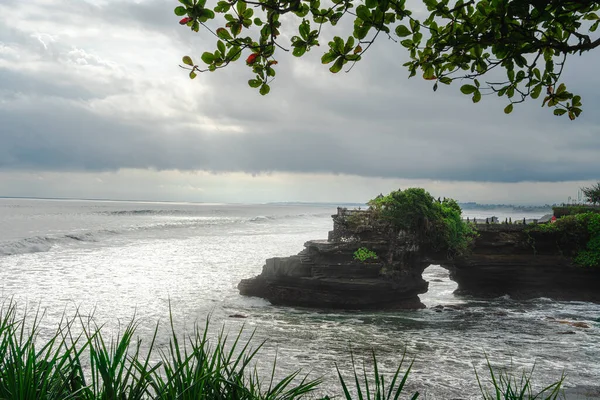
{"x":38,"y":244}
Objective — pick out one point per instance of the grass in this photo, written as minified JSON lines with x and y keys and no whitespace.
{"x":78,"y":362}
{"x":505,"y":386}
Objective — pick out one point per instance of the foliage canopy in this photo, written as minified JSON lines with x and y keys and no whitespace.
{"x":438,"y":222}
{"x":513,"y":48}
{"x":592,"y":193}
{"x":579,"y":232}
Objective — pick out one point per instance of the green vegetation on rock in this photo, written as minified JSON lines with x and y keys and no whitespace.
{"x":363,"y":254}
{"x":561,"y":211}
{"x":437,"y":223}
{"x":580,"y":232}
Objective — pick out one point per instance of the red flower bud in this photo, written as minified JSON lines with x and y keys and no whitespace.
{"x":185,"y":20}
{"x":251,"y":58}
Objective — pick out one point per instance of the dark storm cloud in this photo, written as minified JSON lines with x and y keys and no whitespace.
{"x":371,"y":122}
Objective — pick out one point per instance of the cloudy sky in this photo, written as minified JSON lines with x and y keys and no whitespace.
{"x":94,"y":105}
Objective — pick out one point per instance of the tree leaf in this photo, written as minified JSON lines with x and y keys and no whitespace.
{"x":508,"y":109}
{"x":264,"y":89}
{"x":328,"y":58}
{"x":187,"y":60}
{"x":559,"y":111}
{"x":254,"y":83}
{"x":180,"y":11}
{"x":536,"y":91}
{"x":337,"y":66}
{"x":363,"y":13}
{"x":224,"y":34}
{"x":468,"y":89}
{"x":403,"y":31}
{"x":192,"y":74}
{"x":221,"y":47}
{"x":208,"y":57}
{"x":476,"y":96}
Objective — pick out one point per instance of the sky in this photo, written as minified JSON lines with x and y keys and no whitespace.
{"x":93,"y":104}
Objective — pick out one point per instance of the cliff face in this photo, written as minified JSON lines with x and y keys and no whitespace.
{"x":505,"y":259}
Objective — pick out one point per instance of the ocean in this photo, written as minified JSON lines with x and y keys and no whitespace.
{"x":115,"y":261}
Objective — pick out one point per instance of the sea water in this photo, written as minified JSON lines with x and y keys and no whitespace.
{"x":115,"y":261}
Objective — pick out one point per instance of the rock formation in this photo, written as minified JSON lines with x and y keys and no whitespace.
{"x":326,"y":275}
{"x":509,"y":259}
{"x":505,"y":259}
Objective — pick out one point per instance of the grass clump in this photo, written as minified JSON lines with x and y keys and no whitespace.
{"x":505,"y":386}
{"x":78,"y":363}
{"x":86,"y":366}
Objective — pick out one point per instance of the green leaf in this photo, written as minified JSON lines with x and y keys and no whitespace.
{"x":224,"y":34}
{"x":476,"y":96}
{"x":234,"y":53}
{"x":349,"y":45}
{"x":402,"y":31}
{"x":559,"y":111}
{"x":328,"y":58}
{"x":371,"y":3}
{"x":258,"y":22}
{"x":264,"y":89}
{"x":299,"y":51}
{"x":304,"y":29}
{"x":241,"y":7}
{"x":207,"y":57}
{"x":337,"y":66}
{"x":536,"y":91}
{"x":508,"y":109}
{"x":254,"y":83}
{"x":446,"y":80}
{"x":188,"y":3}
{"x":338,"y":44}
{"x":363,"y":13}
{"x":192,"y":75}
{"x":221,"y":47}
{"x":468,"y":89}
{"x":180,"y":11}
{"x":429,"y":73}
{"x":361,"y":32}
{"x":222,"y":7}
{"x":408,"y":43}
{"x":187,"y":60}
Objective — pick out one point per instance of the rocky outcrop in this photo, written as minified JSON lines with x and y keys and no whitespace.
{"x":509,"y":260}
{"x":325,"y":275}
{"x":505,"y":259}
